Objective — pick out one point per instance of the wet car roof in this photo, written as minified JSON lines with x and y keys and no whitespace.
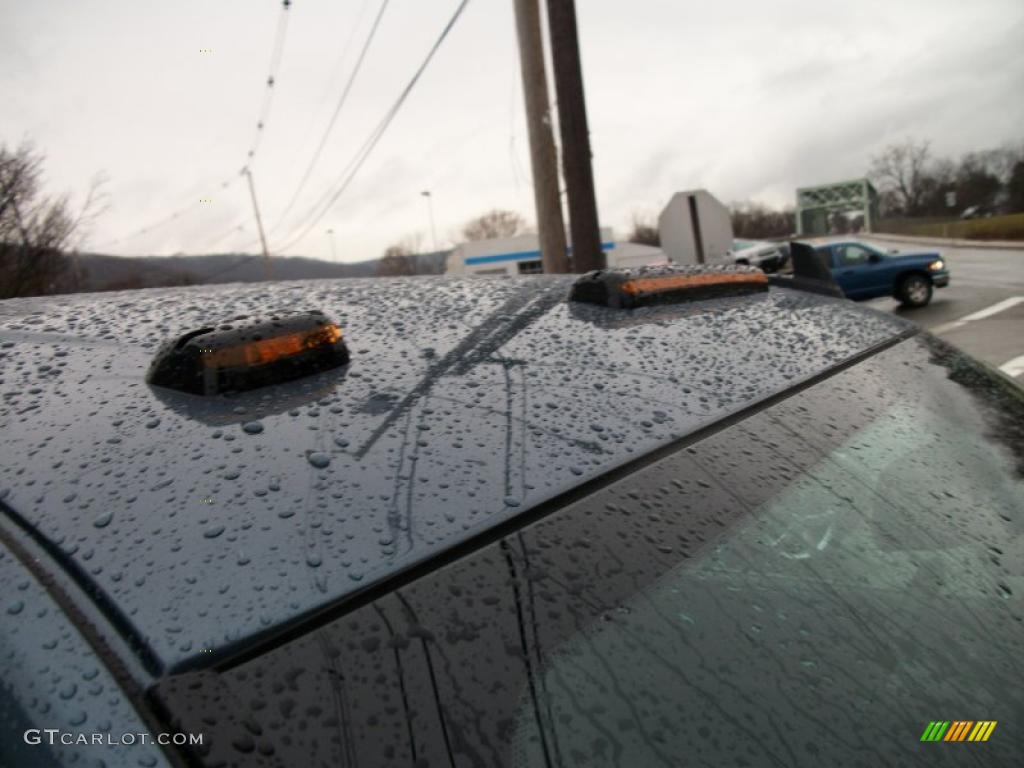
{"x":204,"y":523}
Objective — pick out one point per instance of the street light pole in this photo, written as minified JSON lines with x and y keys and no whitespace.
{"x":430,"y":210}
{"x":330,"y":236}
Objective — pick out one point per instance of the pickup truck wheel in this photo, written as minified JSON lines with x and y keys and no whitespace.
{"x":914,"y":291}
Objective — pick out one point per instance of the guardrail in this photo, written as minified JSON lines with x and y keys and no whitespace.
{"x":1015,"y":245}
{"x":1008,"y":227}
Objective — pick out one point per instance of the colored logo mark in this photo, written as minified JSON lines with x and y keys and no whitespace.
{"x":958,"y":730}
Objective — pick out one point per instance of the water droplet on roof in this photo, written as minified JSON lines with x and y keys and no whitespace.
{"x":319,"y":460}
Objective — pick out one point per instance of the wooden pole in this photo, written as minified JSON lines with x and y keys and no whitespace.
{"x":543,"y":156}
{"x":572,"y":121}
{"x":267,"y":275}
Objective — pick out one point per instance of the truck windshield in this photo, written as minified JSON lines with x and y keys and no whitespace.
{"x":813,"y":585}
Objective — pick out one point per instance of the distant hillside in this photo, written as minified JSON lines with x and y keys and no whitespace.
{"x":109,"y":273}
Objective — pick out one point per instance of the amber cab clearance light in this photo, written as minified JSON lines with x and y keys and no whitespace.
{"x":631,"y":288}
{"x":247,"y":353}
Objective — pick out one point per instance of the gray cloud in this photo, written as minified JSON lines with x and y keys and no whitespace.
{"x":748,"y":99}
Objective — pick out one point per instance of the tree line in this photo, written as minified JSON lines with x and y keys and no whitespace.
{"x":401,"y":258}
{"x":912,"y":182}
{"x":39,"y":234}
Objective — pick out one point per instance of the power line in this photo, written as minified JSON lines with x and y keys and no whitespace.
{"x":234,"y":228}
{"x":268,"y":95}
{"x":166,"y":219}
{"x":277,"y":52}
{"x":337,"y":68}
{"x":275,"y":63}
{"x":363,"y":153}
{"x":337,"y":110}
{"x":360,"y":157}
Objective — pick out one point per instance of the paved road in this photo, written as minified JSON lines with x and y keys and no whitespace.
{"x":982,"y":309}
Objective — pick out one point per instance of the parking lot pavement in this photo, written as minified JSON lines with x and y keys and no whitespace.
{"x":982,"y":309}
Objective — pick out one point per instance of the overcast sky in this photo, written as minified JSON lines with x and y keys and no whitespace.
{"x":749,"y":99}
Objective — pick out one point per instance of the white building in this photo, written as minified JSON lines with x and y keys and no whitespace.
{"x":520,"y":255}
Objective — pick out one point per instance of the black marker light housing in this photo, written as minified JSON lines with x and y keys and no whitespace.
{"x":645,"y":286}
{"x":240,"y":356}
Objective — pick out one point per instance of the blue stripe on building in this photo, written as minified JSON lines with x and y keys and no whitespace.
{"x":520,"y":255}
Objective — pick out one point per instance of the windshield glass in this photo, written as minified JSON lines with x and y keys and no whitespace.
{"x":834,"y":601}
{"x":813,"y":585}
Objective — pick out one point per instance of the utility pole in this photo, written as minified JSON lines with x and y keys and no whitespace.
{"x":259,"y":224}
{"x":543,"y":157}
{"x":572,"y":122}
{"x":430,"y":210}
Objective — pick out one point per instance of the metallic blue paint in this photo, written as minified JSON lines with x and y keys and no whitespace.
{"x":882,"y":276}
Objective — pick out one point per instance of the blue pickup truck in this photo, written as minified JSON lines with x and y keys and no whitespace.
{"x":863,"y":271}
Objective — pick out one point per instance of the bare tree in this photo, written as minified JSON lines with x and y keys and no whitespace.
{"x":1015,"y":188}
{"x":976,"y":182}
{"x":397,"y":261}
{"x":756,"y":220}
{"x":915,"y":184}
{"x":37,"y":232}
{"x":496,"y":223}
{"x":996,"y":162}
{"x":939,"y":180}
{"x":902,"y":169}
{"x":645,"y":230}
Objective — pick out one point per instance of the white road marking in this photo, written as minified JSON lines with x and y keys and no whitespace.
{"x":981,"y":314}
{"x":1013,"y":368}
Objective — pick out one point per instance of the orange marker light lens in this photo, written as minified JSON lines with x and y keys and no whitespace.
{"x":644,"y":286}
{"x":248,"y":353}
{"x":273,"y":349}
{"x":672,"y":282}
